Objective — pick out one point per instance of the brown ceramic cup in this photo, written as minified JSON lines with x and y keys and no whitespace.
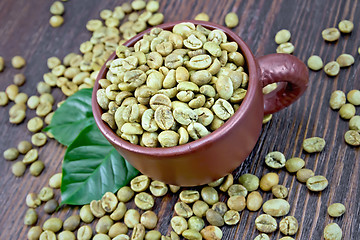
{"x":220,"y":152}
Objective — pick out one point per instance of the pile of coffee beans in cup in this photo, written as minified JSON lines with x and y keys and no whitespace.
{"x":173,"y":87}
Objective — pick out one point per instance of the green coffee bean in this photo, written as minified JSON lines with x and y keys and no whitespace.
{"x":294,"y":164}
{"x":332,"y":232}
{"x":189,"y":196}
{"x":35,"y":124}
{"x":53,"y":224}
{"x":50,"y":206}
{"x":55,"y":180}
{"x":216,"y":183}
{"x":178,"y":224}
{"x":47,"y":235}
{"x":96,"y":208}
{"x":149,"y":219}
{"x":347,"y":111}
{"x":183,"y":210}
{"x":34,"y":233}
{"x":122,"y":237}
{"x":354,"y":123}
{"x":32,"y":200}
{"x":289,"y":225}
{"x":104,"y":224}
{"x":71,"y":223}
{"x":2,"y":64}
{"x":352,"y":138}
{"x":231,"y":217}
{"x":101,"y":236}
{"x":332,"y":68}
{"x":196,"y":223}
{"x":237,"y":203}
{"x":237,"y":190}
{"x":209,"y":195}
{"x":287,"y":238}
{"x":31,"y":217}
{"x":117,"y":229}
{"x":192,"y":234}
{"x":3,"y":99}
{"x":336,"y":210}
{"x":153,"y":235}
{"x":152,"y":6}
{"x":265,"y":223}
{"x":346,"y":26}
{"x":268,"y":181}
{"x":85,"y":214}
{"x":282,"y":36}
{"x":254,"y":201}
{"x":36,"y":168}
{"x":66,"y":235}
{"x":140,"y":183}
{"x":249,"y":181}
{"x":214,"y":218}
{"x":211,"y":232}
{"x":285,"y":48}
{"x":314,"y":144}
{"x":353,"y":97}
{"x":109,"y":202}
{"x":18,"y":62}
{"x":275,"y":160}
{"x":119,"y":212}
{"x":317,"y":183}
{"x":315,"y":63}
{"x":231,"y":20}
{"x":304,"y":174}
{"x":279,"y":191}
{"x":84,"y":233}
{"x":330,"y":34}
{"x":24,"y":146}
{"x":131,"y":218}
{"x":11,"y":154}
{"x":158,"y":188}
{"x":199,"y":208}
{"x":125,"y":193}
{"x":262,"y":236}
{"x":276,"y":207}
{"x":46,"y":194}
{"x":144,"y":201}
{"x":345,"y":60}
{"x":18,"y":169}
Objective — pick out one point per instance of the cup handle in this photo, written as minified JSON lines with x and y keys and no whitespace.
{"x":291,"y":74}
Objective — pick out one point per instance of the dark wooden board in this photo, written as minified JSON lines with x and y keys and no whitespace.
{"x":24,"y":30}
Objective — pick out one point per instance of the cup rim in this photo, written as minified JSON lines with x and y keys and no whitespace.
{"x":201,"y":143}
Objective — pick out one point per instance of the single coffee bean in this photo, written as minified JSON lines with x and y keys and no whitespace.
{"x":229,"y":180}
{"x":237,"y":190}
{"x":336,"y":210}
{"x":84,"y":233}
{"x":332,"y":232}
{"x":199,"y":208}
{"x":304,"y":174}
{"x":214,"y":218}
{"x":125,"y":193}
{"x":330,"y":34}
{"x":231,"y":217}
{"x":66,"y":235}
{"x":220,"y":207}
{"x":345,"y":60}
{"x":119,"y":212}
{"x":249,"y":181}
{"x":153,"y":235}
{"x":275,"y":160}
{"x":276,"y":207}
{"x":46,"y":193}
{"x":317,"y":183}
{"x":196,"y":223}
{"x":265,"y":223}
{"x":149,"y":219}
{"x":158,"y":188}
{"x":53,"y":224}
{"x":314,"y":144}
{"x":34,"y":233}
{"x":211,"y":233}
{"x":109,"y":202}
{"x":353,"y":97}
{"x":332,"y":68}
{"x":138,"y":232}
{"x":352,"y":138}
{"x":347,"y":111}
{"x":183,"y":210}
{"x":50,"y":206}
{"x":47,"y":235}
{"x":354,"y":123}
{"x":178,"y":224}
{"x":189,"y":196}
{"x":289,"y":225}
{"x":210,"y":195}
{"x":282,"y":36}
{"x":85,"y":214}
{"x":192,"y":234}
{"x":71,"y":223}
{"x":237,"y":203}
{"x":337,"y":99}
{"x":294,"y":164}
{"x":144,"y":201}
{"x":346,"y":26}
{"x":268,"y":181}
{"x":31,"y":217}
{"x":262,"y":236}
{"x":140,"y":183}
{"x":254,"y":201}
{"x":131,"y":218}
{"x":315,"y":63}
{"x":279,"y":191}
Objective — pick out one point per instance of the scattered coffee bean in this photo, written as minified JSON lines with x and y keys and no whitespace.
{"x":317,"y":183}
{"x":293,"y":165}
{"x":282,"y":36}
{"x":330,"y":34}
{"x":346,"y":26}
{"x":279,"y":191}
{"x":337,"y":99}
{"x":347,"y":111}
{"x":332,"y":68}
{"x":332,"y":232}
{"x":352,"y":137}
{"x":289,"y":225}
{"x":276,"y":207}
{"x":231,"y":20}
{"x":265,"y":223}
{"x":336,"y":209}
{"x":353,"y":97}
{"x":275,"y":160}
{"x":314,"y":144}
{"x":268,"y":181}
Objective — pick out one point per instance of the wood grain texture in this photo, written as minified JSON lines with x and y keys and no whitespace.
{"x":25,"y":31}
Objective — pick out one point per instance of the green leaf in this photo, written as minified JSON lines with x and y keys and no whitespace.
{"x":92,"y":167}
{"x":72,"y":117}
